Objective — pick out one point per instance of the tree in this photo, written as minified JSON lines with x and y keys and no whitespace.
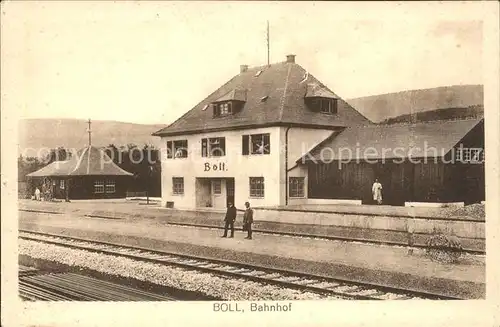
{"x":58,"y":154}
{"x":25,"y":166}
{"x":114,"y":153}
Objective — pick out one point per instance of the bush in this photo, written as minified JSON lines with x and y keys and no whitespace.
{"x":444,"y":248}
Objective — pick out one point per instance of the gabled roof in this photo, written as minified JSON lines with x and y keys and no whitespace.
{"x":285,"y":85}
{"x":89,"y":161}
{"x":426,"y":139}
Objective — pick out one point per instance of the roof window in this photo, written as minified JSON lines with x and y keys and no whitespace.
{"x":230,"y":103}
{"x":306,"y":76}
{"x":223,"y":109}
{"x":323,"y":105}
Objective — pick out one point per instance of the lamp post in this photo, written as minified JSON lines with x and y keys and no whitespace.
{"x":150,"y":171}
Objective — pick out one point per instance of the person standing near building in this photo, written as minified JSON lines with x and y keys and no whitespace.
{"x":37,"y":194}
{"x":377,"y":191}
{"x":248,"y":220}
{"x":229,"y":220}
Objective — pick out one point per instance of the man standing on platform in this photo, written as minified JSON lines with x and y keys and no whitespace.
{"x":229,"y":220}
{"x":248,"y":220}
{"x":377,"y":191}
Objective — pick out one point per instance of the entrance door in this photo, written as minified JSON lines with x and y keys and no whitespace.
{"x":216,"y":193}
{"x":230,"y":191}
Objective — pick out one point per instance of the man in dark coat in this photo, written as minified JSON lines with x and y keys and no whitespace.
{"x":248,"y":220}
{"x":229,"y":220}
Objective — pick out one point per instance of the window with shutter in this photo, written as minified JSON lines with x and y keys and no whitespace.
{"x":244,"y":144}
{"x":267,"y":143}
{"x":213,"y":147}
{"x":170,"y":150}
{"x":222,"y":147}
{"x":216,"y":147}
{"x":204,"y":147}
{"x":180,"y":149}
{"x":257,"y":144}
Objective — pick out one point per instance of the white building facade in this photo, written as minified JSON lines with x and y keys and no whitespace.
{"x":212,"y":178}
{"x":242,"y":142}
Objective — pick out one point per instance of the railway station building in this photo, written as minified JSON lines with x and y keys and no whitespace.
{"x":242,"y":141}
{"x":259,"y":136}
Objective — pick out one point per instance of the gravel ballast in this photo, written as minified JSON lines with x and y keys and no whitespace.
{"x":465,"y":288}
{"x":204,"y":283}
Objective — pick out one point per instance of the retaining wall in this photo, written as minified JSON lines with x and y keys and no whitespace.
{"x":459,"y":228}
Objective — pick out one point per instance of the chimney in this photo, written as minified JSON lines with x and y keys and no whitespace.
{"x":290,"y":58}
{"x":243,"y":68}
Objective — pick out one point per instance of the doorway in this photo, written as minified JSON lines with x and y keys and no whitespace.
{"x":383,"y":172}
{"x":214,"y":192}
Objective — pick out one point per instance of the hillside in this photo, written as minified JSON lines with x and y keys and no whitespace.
{"x":441,"y":103}
{"x":72,"y":133}
{"x":439,"y":114}
{"x":378,"y":108}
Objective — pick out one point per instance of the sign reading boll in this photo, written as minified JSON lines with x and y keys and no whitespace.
{"x":221,"y":166}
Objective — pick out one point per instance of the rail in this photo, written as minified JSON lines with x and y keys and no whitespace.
{"x":345,"y":289}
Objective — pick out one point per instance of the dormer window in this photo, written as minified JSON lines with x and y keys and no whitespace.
{"x":223,"y":109}
{"x":328,"y":106}
{"x":230,"y":103}
{"x":320,"y":99}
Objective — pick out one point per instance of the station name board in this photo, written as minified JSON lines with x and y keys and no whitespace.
{"x":221,"y":166}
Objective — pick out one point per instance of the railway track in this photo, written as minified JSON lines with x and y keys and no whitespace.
{"x":316,"y":237}
{"x":342,"y":288}
{"x":37,"y":286}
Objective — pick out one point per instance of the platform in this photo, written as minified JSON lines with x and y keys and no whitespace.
{"x":368,"y":210}
{"x":377,"y":210}
{"x":356,"y":226}
{"x":365,"y":263}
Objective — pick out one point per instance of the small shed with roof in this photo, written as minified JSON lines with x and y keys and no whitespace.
{"x":88,"y":174}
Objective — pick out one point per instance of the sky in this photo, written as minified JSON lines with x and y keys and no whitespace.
{"x":151,"y":62}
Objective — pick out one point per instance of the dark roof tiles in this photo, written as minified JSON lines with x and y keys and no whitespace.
{"x":56,"y":168}
{"x":233,"y":95}
{"x":285,"y":86}
{"x":426,"y":139}
{"x":316,"y":90}
{"x":89,"y":161}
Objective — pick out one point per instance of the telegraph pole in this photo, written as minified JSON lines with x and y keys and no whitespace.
{"x":90,"y":133}
{"x":268,"y":46}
